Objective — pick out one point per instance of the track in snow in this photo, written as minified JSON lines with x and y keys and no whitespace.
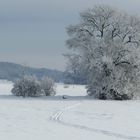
{"x":57,"y":118}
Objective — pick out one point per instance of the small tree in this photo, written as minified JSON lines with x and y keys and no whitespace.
{"x":48,"y":86}
{"x":27,"y":86}
{"x":75,"y":74}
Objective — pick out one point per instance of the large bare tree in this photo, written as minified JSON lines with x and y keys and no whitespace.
{"x":107,"y":42}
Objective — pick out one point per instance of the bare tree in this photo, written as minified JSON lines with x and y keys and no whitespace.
{"x":75,"y":74}
{"x":108,"y":44}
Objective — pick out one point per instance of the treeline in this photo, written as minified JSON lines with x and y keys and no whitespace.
{"x":13,"y":72}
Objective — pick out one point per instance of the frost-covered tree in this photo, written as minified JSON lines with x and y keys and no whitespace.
{"x":27,"y":86}
{"x":48,"y":86}
{"x":75,"y":74}
{"x":108,"y":44}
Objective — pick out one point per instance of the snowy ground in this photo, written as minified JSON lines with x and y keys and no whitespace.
{"x":76,"y":118}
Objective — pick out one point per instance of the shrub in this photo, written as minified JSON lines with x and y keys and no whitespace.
{"x":48,"y":86}
{"x":27,"y":86}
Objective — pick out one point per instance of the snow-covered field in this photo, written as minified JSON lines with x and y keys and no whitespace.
{"x":75,"y":118}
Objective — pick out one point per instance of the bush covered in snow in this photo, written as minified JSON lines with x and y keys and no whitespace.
{"x":107,"y":45}
{"x":27,"y":86}
{"x":48,"y":86}
{"x":30,"y":86}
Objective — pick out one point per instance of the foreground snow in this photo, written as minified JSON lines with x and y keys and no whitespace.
{"x":77,"y":117}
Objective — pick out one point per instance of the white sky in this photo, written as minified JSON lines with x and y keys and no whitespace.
{"x":32,"y":32}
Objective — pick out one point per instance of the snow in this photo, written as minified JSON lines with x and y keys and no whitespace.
{"x":76,"y":118}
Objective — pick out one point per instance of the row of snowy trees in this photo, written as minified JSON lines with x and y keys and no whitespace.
{"x":106,"y":52}
{"x":30,"y":86}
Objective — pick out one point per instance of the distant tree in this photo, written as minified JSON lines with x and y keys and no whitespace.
{"x":108,"y":44}
{"x":48,"y":86}
{"x":27,"y":86}
{"x":75,"y":74}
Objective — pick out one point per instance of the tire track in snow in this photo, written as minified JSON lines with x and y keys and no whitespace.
{"x":57,"y":118}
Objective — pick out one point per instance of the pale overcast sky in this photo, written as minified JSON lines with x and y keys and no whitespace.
{"x":32,"y":32}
